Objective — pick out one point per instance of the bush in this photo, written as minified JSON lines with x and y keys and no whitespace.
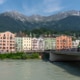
{"x":19,"y":55}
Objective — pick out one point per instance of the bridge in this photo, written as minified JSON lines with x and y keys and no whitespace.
{"x":64,"y":56}
{"x":60,"y":55}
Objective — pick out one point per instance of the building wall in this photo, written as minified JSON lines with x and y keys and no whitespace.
{"x":34,"y":44}
{"x":18,"y":41}
{"x":7,"y":42}
{"x":27,"y":43}
{"x":37,"y":44}
{"x":54,"y":43}
{"x":49,"y":43}
{"x":75,"y":44}
{"x":41,"y":44}
{"x":63,"y":42}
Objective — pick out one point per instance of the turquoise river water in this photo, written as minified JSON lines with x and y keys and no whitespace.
{"x":38,"y":70}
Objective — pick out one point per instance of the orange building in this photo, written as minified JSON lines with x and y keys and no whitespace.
{"x":63,"y":42}
{"x":7,"y":42}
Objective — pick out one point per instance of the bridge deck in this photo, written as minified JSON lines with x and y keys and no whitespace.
{"x":75,"y":53}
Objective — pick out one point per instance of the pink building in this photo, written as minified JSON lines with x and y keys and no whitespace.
{"x":7,"y":42}
{"x":63,"y":42}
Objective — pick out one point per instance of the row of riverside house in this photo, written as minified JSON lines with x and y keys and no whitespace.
{"x":10,"y":42}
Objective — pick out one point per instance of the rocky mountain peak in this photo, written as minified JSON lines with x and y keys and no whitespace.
{"x":16,"y":15}
{"x":36,"y":18}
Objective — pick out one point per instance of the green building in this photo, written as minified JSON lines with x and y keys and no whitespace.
{"x":49,"y":43}
{"x":18,"y":41}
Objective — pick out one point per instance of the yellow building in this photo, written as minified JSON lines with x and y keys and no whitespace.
{"x":27,"y":43}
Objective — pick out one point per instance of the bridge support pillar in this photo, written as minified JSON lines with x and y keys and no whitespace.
{"x":52,"y":57}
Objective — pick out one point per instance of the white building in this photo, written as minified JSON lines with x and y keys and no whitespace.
{"x":37,"y":44}
{"x":75,"y":44}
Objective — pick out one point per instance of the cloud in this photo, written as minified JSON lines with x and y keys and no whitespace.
{"x":43,"y":7}
{"x":2,"y":1}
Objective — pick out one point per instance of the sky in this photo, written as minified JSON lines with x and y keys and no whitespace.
{"x":39,"y":7}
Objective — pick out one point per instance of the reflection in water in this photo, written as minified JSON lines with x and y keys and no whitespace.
{"x":38,"y":70}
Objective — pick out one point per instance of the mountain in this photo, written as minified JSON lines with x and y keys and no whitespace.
{"x":63,"y":21}
{"x":63,"y":15}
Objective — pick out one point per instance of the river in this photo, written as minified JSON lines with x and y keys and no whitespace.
{"x":38,"y":70}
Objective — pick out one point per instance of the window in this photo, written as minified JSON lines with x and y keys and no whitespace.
{"x":64,"y":40}
{"x":10,"y":44}
{"x":10,"y":47}
{"x":11,"y":37}
{"x":61,"y":46}
{"x":4,"y":37}
{"x":3,"y":44}
{"x":3,"y":47}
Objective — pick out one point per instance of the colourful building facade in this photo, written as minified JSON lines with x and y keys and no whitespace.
{"x":7,"y":42}
{"x":49,"y":43}
{"x":34,"y":44}
{"x":41,"y":44}
{"x":27,"y":43}
{"x":38,"y":44}
{"x":18,"y":45}
{"x":75,"y":44}
{"x":63,"y":42}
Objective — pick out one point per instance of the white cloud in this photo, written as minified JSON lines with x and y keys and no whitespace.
{"x":43,"y":7}
{"x":2,"y":1}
